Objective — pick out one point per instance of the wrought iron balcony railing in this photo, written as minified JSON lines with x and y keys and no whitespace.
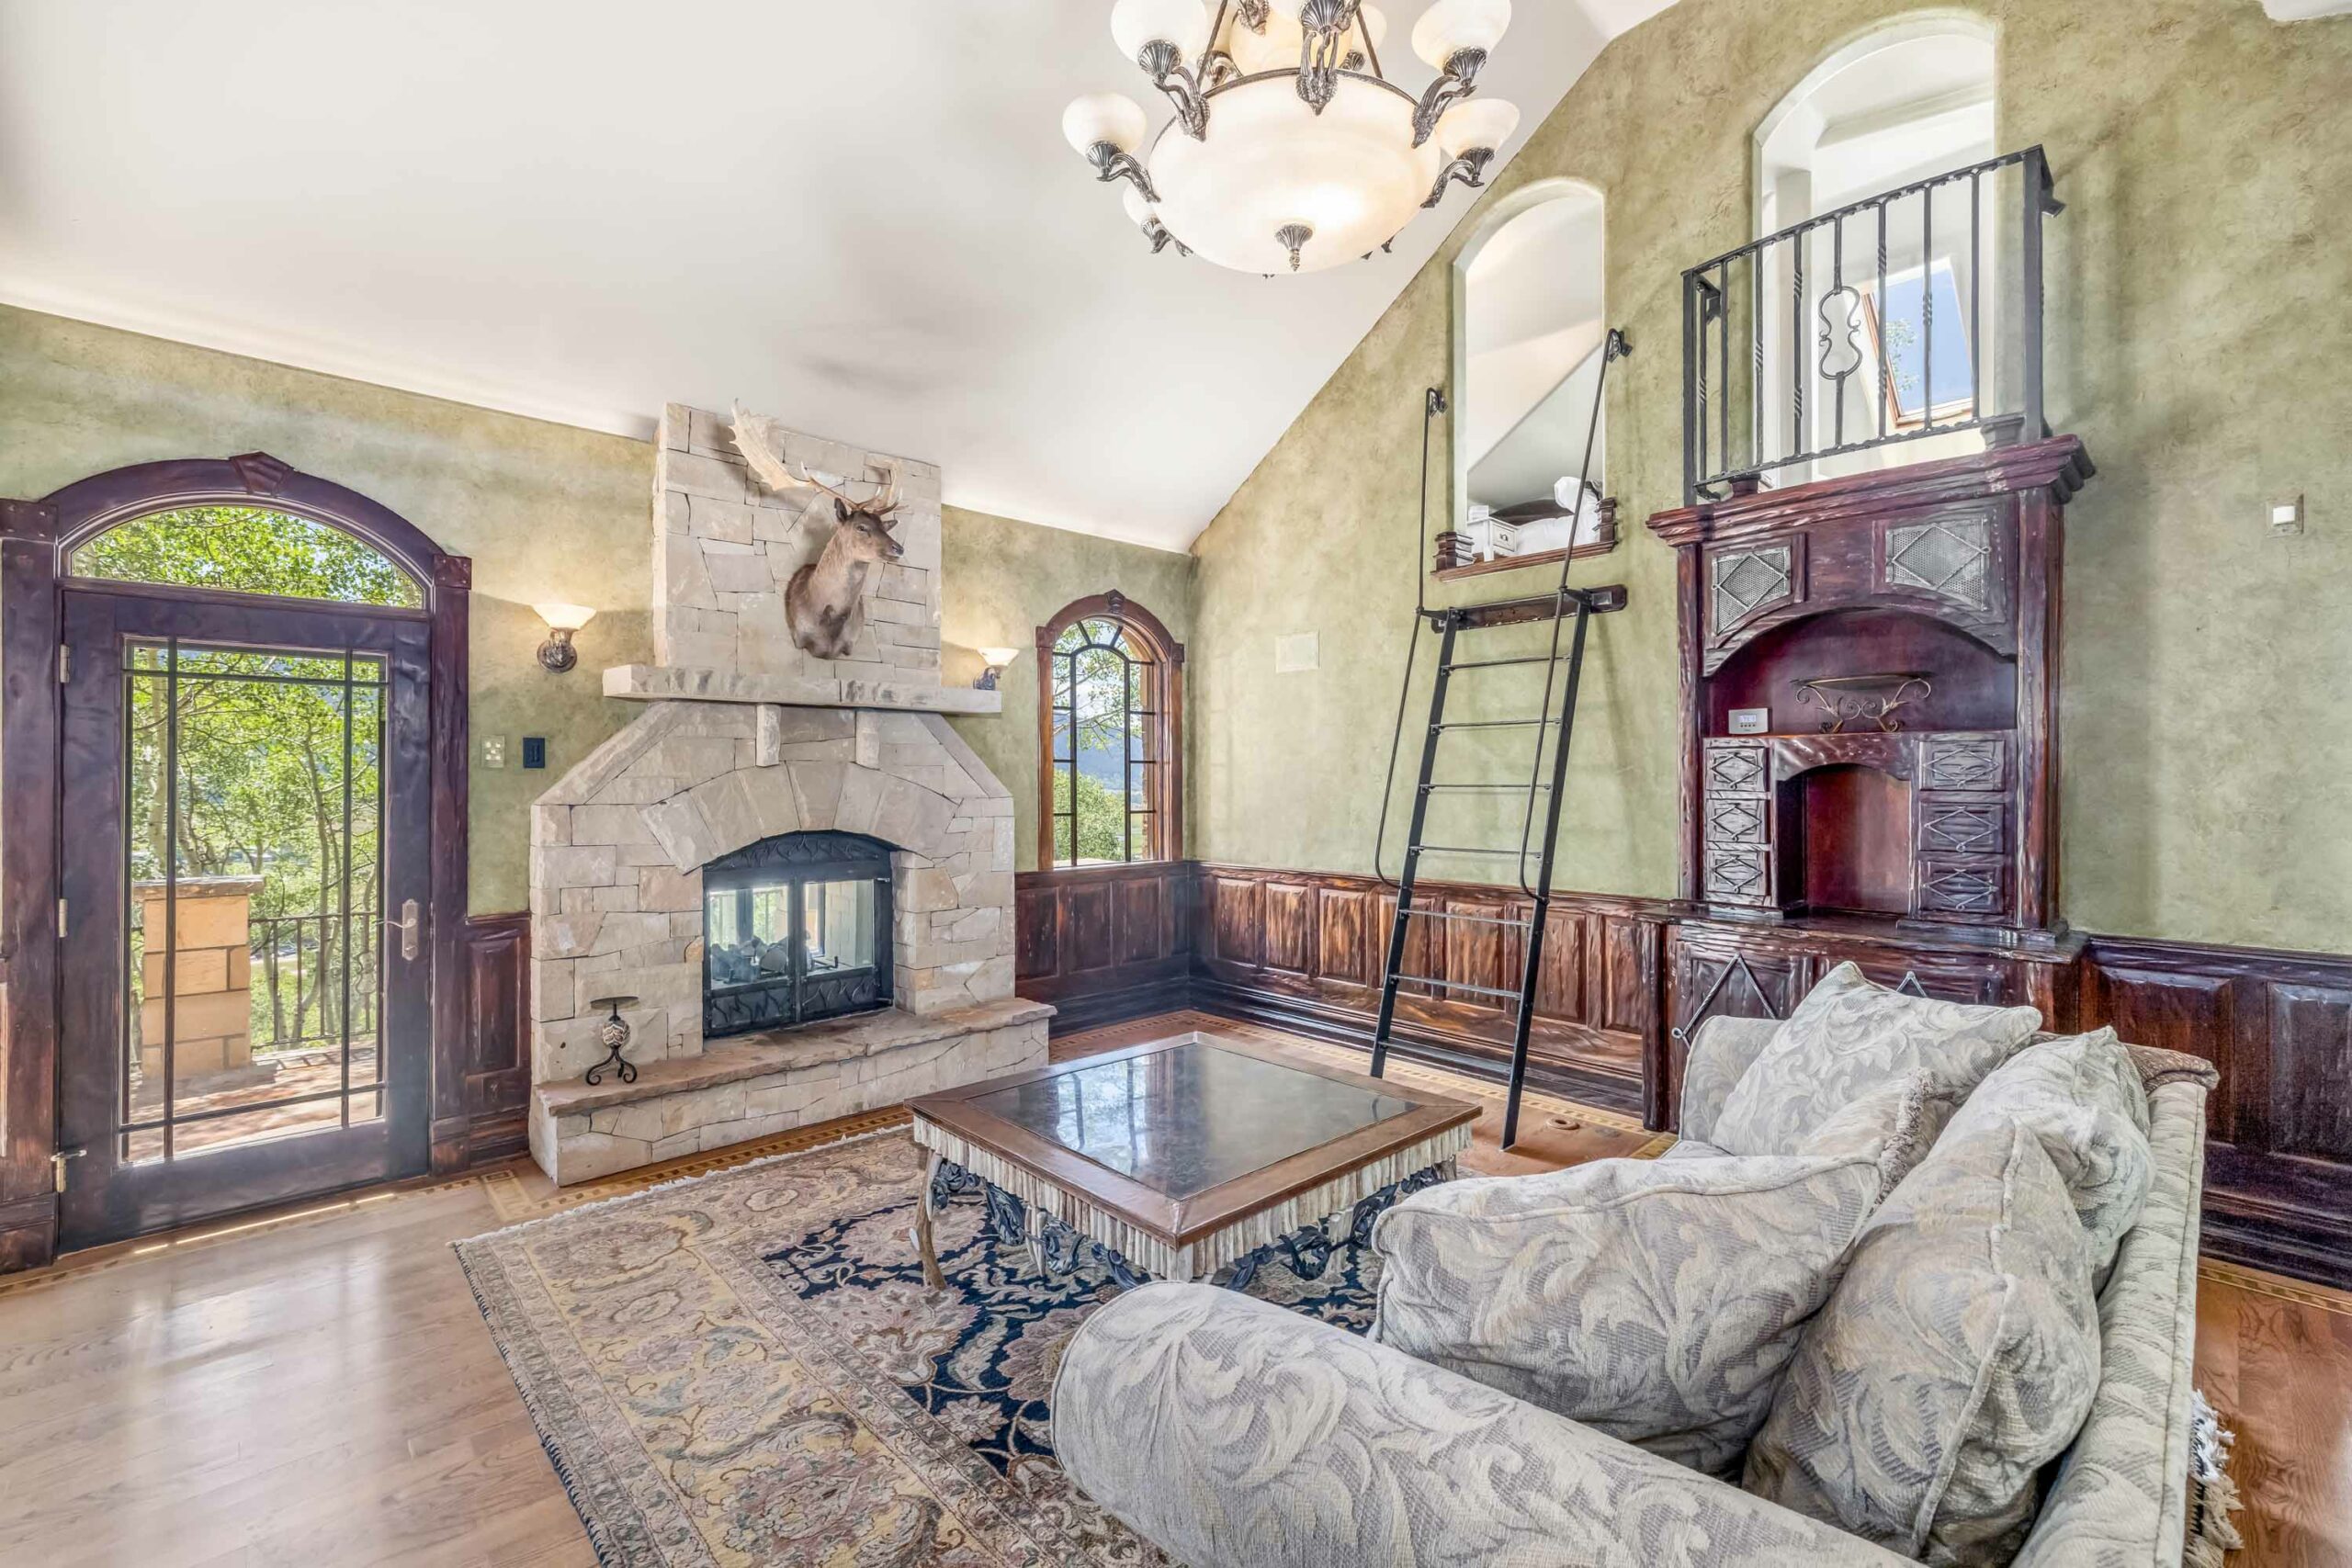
{"x":1910,"y":315}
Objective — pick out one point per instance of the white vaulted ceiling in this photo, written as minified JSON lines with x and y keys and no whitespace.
{"x":858,"y":216}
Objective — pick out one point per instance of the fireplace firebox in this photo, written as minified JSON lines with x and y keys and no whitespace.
{"x":795,"y":927}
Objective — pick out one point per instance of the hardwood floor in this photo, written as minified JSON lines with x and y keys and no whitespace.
{"x":316,"y":1387}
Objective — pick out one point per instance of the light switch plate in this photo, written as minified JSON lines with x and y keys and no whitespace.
{"x":493,"y":751}
{"x":1751,"y":721}
{"x":1297,"y":653}
{"x":2287,"y":517}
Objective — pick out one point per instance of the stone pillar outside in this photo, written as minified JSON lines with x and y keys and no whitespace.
{"x":211,"y":977}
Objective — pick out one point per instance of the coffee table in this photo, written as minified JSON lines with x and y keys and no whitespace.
{"x":1177,"y":1158}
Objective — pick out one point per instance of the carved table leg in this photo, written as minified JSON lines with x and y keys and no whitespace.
{"x":924,"y":1243}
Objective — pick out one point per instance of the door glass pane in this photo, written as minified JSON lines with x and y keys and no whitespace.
{"x":253,"y":879}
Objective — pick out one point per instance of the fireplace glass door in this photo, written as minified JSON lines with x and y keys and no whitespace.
{"x":795,"y":927}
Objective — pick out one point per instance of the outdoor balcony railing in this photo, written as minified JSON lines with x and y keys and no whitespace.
{"x":1913,"y":314}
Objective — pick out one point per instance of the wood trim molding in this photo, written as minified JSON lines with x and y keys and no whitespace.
{"x":2057,"y":468}
{"x":1168,"y":811}
{"x":28,"y":848}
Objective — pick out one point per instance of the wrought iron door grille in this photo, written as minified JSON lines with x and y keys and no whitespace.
{"x":1911,"y":314}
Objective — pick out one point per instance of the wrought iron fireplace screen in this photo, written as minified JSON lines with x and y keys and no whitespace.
{"x":794,"y":929}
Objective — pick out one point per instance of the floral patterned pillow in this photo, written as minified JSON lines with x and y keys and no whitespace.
{"x":1658,"y":1303}
{"x":1958,"y":1357}
{"x":2082,"y":1097}
{"x":1849,"y":1038}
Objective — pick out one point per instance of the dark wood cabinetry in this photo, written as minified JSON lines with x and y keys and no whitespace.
{"x":1940,"y":581}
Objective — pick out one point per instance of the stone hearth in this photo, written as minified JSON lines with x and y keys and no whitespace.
{"x":746,"y":737}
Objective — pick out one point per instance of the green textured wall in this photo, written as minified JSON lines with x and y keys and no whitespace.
{"x":547,"y":514}
{"x":1005,"y":580}
{"x":2200,"y":334}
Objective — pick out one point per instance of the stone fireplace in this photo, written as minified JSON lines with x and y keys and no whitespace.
{"x":752,"y":757}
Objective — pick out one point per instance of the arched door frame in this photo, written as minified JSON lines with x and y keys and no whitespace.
{"x":1115,"y":605}
{"x":36,"y":538}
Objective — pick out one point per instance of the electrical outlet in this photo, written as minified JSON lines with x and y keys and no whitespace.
{"x":493,"y":751}
{"x":1297,"y":653}
{"x":2287,"y":517}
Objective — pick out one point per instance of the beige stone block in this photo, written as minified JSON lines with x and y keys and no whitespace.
{"x":680,"y":574}
{"x":768,"y":736}
{"x":710,"y":518}
{"x":552,"y":995}
{"x":733,"y":573}
{"x":576,"y":867}
{"x":861,"y":795}
{"x":551,"y":825}
{"x":194,"y":971}
{"x":566,"y":935}
{"x":666,"y":889}
{"x":609,"y":825}
{"x":818,"y":786}
{"x":623,"y":932}
{"x":678,"y":827}
{"x":712,"y":434}
{"x":704,"y":475}
{"x":676,"y":431}
{"x":698,"y":650}
{"x":677,"y":516}
{"x":726,"y":806}
{"x":603,"y":899}
{"x":688,"y":760}
{"x":210,"y":1016}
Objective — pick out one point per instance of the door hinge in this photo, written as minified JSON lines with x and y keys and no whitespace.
{"x":57,"y":1166}
{"x":64,"y":663}
{"x":61,"y":919}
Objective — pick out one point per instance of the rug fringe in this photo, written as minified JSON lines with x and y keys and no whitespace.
{"x":2213,"y":1495}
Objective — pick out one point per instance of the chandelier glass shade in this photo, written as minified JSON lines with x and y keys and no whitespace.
{"x":1289,"y":148}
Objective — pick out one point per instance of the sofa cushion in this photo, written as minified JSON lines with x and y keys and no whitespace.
{"x":1658,"y":1301}
{"x":2082,"y":1097}
{"x":1957,"y":1357}
{"x":1849,"y":1037}
{"x":1892,"y":1126}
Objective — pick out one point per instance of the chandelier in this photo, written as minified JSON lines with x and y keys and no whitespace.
{"x":1289,"y":144}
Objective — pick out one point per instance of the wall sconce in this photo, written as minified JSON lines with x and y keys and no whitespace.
{"x":557,"y":654}
{"x":995,"y":660}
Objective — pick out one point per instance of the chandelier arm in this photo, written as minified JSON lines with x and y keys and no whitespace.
{"x":1218,"y":63}
{"x":1156,"y":233}
{"x":1111,"y":164}
{"x":1459,"y":81}
{"x":1470,"y":168}
{"x":1164,"y":63}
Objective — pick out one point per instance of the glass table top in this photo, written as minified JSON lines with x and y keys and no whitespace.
{"x":1192,"y":1117}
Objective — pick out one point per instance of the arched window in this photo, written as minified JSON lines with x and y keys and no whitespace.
{"x":1531,"y":318}
{"x":246,"y":549}
{"x":1110,"y":757}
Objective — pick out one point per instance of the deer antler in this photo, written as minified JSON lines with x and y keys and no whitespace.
{"x":778,"y":473}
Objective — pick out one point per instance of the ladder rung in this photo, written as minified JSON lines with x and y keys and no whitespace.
{"x":1499,"y":663}
{"x":1494,"y":724}
{"x":1454,"y":986}
{"x":1458,"y":850}
{"x":1473,"y":919}
{"x":1512,"y":788}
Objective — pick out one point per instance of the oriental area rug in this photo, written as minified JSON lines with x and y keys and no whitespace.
{"x":742,"y":1367}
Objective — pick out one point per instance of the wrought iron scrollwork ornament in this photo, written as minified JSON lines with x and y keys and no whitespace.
{"x":1324,"y":26}
{"x":1841,"y":332}
{"x":1111,"y":164}
{"x":1470,"y":169}
{"x":1459,"y":81}
{"x":1156,"y":233}
{"x":1164,"y":63}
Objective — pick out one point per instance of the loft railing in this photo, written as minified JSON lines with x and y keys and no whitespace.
{"x":298,"y":976}
{"x":1911,"y":315}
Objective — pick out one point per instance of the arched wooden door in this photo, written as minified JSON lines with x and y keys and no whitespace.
{"x":246,"y":857}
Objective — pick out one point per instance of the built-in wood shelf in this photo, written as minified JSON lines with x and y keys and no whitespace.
{"x":1513,"y":563}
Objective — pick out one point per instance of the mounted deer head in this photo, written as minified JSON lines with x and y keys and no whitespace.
{"x":824,"y":604}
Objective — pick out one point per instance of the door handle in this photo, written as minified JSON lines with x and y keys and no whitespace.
{"x":57,"y":1166}
{"x":410,"y":925}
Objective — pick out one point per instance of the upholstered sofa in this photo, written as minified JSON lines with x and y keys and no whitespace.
{"x":1236,"y":1434}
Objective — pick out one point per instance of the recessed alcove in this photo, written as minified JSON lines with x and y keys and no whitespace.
{"x":1972,"y":688}
{"x":1846,"y":840}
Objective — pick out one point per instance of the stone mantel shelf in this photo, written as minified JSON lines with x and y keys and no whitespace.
{"x":781,"y":1051}
{"x":657,"y":683}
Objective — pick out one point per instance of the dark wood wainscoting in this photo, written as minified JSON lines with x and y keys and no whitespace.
{"x":2277,"y":1026}
{"x":1103,"y":942}
{"x":489,"y":1056}
{"x":1305,"y":950}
